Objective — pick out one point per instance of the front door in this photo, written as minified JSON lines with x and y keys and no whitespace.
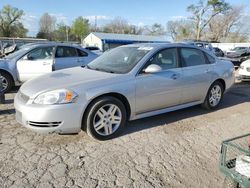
{"x":37,"y":62}
{"x":162,"y":89}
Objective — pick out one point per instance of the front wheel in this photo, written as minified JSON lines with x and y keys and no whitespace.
{"x":214,"y":96}
{"x":105,"y":118}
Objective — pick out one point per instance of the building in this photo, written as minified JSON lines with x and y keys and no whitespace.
{"x":106,"y":41}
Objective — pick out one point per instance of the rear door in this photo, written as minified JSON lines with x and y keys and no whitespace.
{"x":197,"y":74}
{"x":66,"y":57}
{"x":84,"y":57}
{"x":37,"y":62}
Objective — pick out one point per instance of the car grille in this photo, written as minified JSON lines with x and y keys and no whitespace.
{"x":44,"y":124}
{"x":245,"y":77}
{"x":23,"y":97}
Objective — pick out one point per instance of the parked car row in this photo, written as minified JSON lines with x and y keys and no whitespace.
{"x":36,"y":59}
{"x":238,"y":54}
{"x":126,"y":83}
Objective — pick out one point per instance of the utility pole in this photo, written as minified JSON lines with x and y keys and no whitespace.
{"x":67,"y":33}
{"x":95,"y":23}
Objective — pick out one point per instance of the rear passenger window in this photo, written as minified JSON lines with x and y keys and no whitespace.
{"x":210,"y":58}
{"x":81,"y":53}
{"x":192,"y":57}
{"x":64,"y":51}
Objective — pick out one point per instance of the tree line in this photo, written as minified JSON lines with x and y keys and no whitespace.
{"x":212,"y":20}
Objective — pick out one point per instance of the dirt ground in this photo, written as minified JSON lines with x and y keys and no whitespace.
{"x":177,"y":149}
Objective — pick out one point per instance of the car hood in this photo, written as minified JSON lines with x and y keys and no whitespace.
{"x":66,"y":78}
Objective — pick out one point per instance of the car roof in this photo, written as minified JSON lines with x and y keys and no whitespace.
{"x":162,"y":45}
{"x":47,"y":44}
{"x":159,"y":46}
{"x":53,"y":44}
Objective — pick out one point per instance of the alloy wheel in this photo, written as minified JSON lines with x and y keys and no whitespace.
{"x":4,"y":83}
{"x":215,"y":95}
{"x":107,"y":119}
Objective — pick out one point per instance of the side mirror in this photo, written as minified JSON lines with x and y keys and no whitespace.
{"x":27,"y":57}
{"x":153,"y":68}
{"x":30,"y":57}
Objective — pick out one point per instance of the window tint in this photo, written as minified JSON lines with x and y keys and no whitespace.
{"x":166,"y":59}
{"x":210,"y":58}
{"x":192,"y":57}
{"x":41,"y":53}
{"x":81,"y":53}
{"x":64,"y":51}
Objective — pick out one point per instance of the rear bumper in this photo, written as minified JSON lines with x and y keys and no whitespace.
{"x":63,"y":118}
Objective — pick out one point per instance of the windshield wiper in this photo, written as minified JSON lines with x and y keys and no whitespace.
{"x":100,"y":69}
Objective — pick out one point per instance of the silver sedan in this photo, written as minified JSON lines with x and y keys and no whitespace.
{"x":126,"y":83}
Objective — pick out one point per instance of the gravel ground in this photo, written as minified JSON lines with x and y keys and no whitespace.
{"x":177,"y":149}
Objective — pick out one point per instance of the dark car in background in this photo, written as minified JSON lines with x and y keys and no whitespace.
{"x":218,"y":52}
{"x":238,"y":52}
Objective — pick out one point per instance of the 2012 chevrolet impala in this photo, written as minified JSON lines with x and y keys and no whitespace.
{"x":126,"y":83}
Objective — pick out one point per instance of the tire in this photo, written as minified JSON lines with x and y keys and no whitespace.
{"x":101,"y":124}
{"x":7,"y":81}
{"x":229,"y":183}
{"x":210,"y":103}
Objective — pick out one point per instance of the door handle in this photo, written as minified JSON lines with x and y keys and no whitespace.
{"x":45,"y":63}
{"x":174,"y":76}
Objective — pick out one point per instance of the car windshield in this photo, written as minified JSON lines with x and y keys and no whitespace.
{"x":119,"y":60}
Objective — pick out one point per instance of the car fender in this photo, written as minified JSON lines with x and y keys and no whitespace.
{"x":4,"y":66}
{"x":127,"y":90}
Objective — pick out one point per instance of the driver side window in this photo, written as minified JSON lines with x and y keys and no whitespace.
{"x":40,"y":53}
{"x":166,"y":59}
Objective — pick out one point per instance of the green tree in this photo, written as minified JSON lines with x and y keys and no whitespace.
{"x":204,"y":11}
{"x":62,"y":32}
{"x":80,"y":28}
{"x":10,"y":22}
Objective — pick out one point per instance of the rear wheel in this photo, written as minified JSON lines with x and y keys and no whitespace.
{"x":214,"y":96}
{"x":105,"y":118}
{"x":7,"y":81}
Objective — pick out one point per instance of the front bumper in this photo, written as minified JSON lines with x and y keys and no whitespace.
{"x":244,"y":74}
{"x":63,"y":118}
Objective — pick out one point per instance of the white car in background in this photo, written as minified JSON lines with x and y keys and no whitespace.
{"x":244,"y":70}
{"x":33,"y":60}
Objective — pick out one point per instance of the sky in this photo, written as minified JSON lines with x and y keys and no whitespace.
{"x":138,"y":12}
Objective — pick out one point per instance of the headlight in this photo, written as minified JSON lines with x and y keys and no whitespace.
{"x":241,"y":67}
{"x":61,"y":96}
